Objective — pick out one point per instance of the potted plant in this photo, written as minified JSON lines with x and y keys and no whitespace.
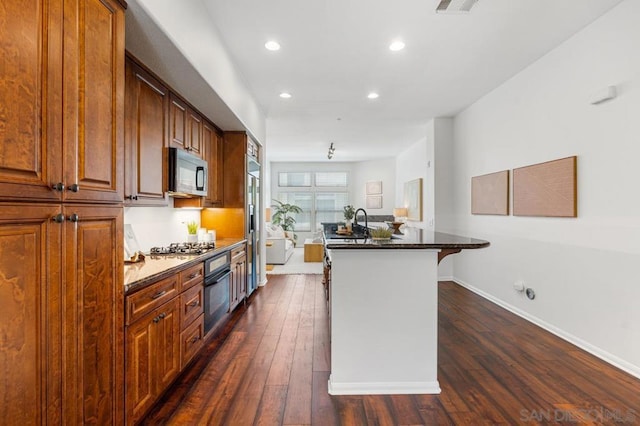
{"x":281,"y":216}
{"x":349,"y":212}
{"x":192,"y":229}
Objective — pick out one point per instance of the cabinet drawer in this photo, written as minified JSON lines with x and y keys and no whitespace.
{"x":144,"y":301}
{"x":192,"y":276}
{"x":237,"y":253}
{"x":191,"y":305}
{"x":191,"y":340}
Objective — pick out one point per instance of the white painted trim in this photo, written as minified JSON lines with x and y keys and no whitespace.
{"x":446,"y":278}
{"x":384,"y":388}
{"x":634,"y":370}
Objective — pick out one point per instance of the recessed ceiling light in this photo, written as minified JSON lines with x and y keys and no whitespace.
{"x":373,"y":95}
{"x":272,"y":45}
{"x":396,"y":45}
{"x":285,"y":95}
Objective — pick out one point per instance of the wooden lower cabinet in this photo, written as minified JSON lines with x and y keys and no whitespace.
{"x":153,"y":357}
{"x":238,"y":277}
{"x":165,"y":330}
{"x":61,"y":352}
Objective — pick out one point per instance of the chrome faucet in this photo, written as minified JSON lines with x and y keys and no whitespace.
{"x":366,"y":220}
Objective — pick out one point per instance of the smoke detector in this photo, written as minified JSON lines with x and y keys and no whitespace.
{"x":455,"y":6}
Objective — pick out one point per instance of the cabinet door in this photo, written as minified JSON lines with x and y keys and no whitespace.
{"x":146,"y":134}
{"x":167,"y":340}
{"x":93,"y":101}
{"x":30,"y":291}
{"x":178,"y":123}
{"x":153,"y":357}
{"x":93,"y":319}
{"x":213,"y":147}
{"x":194,"y":133}
{"x":140,"y":367}
{"x":242,"y":279}
{"x":235,"y":169}
{"x":30,"y":97}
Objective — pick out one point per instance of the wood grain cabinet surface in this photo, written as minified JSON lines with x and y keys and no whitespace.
{"x":185,"y":126}
{"x":146,"y":137}
{"x":165,"y":330}
{"x":62,"y":295}
{"x":62,"y":135}
{"x":238,"y":277}
{"x":152,"y":357}
{"x":61,"y":218}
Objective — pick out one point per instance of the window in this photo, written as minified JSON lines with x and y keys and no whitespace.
{"x":321,"y":196}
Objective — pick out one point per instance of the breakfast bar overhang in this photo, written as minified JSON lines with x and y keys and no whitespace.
{"x":384,"y":312}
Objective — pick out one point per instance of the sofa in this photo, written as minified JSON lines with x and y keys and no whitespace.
{"x":279,"y":247}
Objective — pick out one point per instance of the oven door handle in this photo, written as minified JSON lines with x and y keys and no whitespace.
{"x":217,"y":278}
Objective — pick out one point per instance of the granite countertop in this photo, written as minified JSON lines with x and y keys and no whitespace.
{"x":412,"y":239}
{"x":155,"y":267}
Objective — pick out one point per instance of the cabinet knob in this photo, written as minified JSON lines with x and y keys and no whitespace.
{"x":58,"y":186}
{"x":73,"y":218}
{"x":74,"y":188}
{"x":156,"y":319}
{"x":195,"y":339}
{"x":131,"y":197}
{"x":162,"y":315}
{"x":59,"y":218}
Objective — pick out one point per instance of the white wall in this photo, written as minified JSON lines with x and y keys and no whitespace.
{"x":159,"y":226}
{"x":383,"y":170}
{"x":443,"y":173}
{"x":189,"y":29}
{"x":583,"y":270}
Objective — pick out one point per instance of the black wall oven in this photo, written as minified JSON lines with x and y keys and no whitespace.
{"x":216,"y":290}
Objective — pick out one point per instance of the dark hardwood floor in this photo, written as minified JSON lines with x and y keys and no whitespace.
{"x":270,"y":365}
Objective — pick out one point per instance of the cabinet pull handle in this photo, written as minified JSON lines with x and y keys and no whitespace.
{"x":58,"y":186}
{"x":193,"y":304}
{"x":73,"y":218}
{"x":195,"y":339}
{"x":156,"y":319}
{"x":74,"y":187}
{"x":195,"y":274}
{"x":59,"y":218}
{"x":159,"y":294}
{"x":131,"y":197}
{"x":162,"y":315}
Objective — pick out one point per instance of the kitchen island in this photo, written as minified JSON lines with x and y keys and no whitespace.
{"x":383,"y":303}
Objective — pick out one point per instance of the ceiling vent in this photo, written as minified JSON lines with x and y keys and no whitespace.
{"x":455,"y":6}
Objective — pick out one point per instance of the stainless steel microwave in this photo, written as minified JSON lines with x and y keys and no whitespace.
{"x":187,"y":174}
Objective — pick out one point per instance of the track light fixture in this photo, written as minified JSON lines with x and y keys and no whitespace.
{"x":332,"y":149}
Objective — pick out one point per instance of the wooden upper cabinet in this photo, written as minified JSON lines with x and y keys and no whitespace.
{"x":93,"y":101}
{"x":146,"y":135}
{"x":64,"y":95}
{"x":30,"y":95}
{"x":194,"y":133}
{"x":235,"y":169}
{"x":185,"y":127}
{"x":214,"y":154}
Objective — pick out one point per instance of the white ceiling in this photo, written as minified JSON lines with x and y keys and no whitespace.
{"x":334,"y":52}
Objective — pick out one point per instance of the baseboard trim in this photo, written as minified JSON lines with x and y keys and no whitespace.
{"x":383,"y":388}
{"x":446,"y":278}
{"x":634,"y":370}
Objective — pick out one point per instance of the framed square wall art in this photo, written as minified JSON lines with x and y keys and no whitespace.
{"x":374,"y":187}
{"x":490,"y":193}
{"x":547,"y":189}
{"x":413,"y":199}
{"x":374,"y":201}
